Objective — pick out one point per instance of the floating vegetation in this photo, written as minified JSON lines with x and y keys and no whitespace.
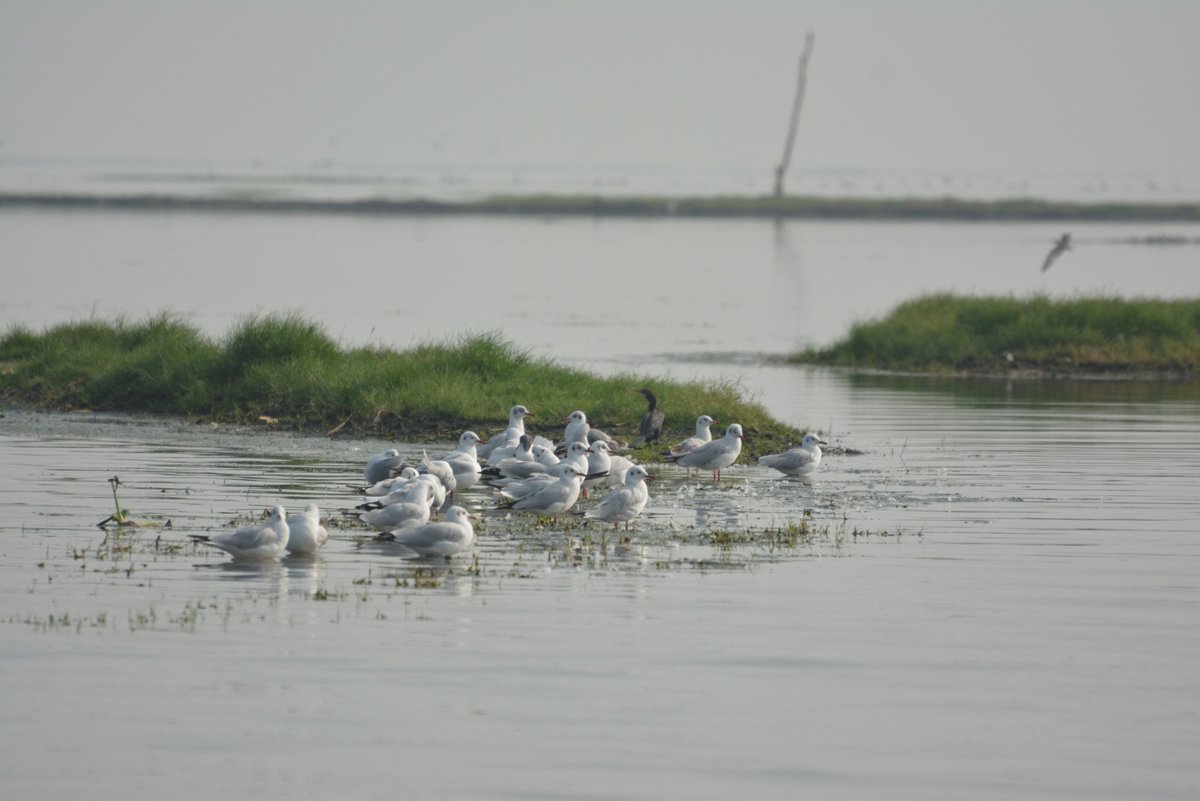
{"x":121,"y":517}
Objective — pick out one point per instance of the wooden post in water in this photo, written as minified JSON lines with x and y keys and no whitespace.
{"x":795,"y":120}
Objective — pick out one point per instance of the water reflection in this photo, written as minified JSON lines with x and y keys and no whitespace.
{"x":1063,"y":390}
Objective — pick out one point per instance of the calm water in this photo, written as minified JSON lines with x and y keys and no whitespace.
{"x":588,"y":291}
{"x":998,"y":598}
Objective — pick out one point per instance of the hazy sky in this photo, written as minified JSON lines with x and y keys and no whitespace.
{"x":922,"y":84}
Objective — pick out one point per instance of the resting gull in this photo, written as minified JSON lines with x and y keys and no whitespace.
{"x":306,"y":535}
{"x":799,"y":460}
{"x":555,"y":498}
{"x":265,"y":540}
{"x":442,"y":538}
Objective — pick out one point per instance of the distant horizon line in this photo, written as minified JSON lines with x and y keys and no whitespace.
{"x":546,"y":204}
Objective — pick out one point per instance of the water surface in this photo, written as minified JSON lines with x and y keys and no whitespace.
{"x":999,"y":590}
{"x":579,"y":290}
{"x":995,"y":599}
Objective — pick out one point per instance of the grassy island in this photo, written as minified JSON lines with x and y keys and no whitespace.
{"x":946,"y":333}
{"x":284,"y":371}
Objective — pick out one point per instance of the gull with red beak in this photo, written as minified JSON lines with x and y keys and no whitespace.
{"x":715,"y":455}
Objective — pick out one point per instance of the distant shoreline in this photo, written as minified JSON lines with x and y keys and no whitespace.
{"x":722,"y":206}
{"x":1034,"y":337}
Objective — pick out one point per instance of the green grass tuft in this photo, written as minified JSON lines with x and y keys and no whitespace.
{"x":287,"y":368}
{"x":950,"y":332}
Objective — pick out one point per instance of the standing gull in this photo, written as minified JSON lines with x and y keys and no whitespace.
{"x":464,"y":462}
{"x":510,"y":435}
{"x":266,"y":540}
{"x":715,"y":455}
{"x":1061,"y":245}
{"x":467,"y":448}
{"x":625,"y":502}
{"x":599,"y":463}
{"x":576,"y":430}
{"x":702,"y":435}
{"x":797,"y":461}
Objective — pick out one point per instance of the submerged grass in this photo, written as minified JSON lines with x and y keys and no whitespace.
{"x":948,"y":332}
{"x":287,"y":369}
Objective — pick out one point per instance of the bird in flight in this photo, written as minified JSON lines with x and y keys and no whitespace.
{"x":1061,"y":245}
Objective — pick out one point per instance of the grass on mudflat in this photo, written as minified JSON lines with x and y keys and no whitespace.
{"x":949,"y":332}
{"x":286,"y":368}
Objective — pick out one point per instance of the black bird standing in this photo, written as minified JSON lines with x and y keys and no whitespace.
{"x":652,"y":422}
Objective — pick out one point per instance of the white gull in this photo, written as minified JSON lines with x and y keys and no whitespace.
{"x":799,"y":460}
{"x":382,"y":465}
{"x":554,"y":498}
{"x":306,"y":535}
{"x":442,"y":538}
{"x":715,"y":455}
{"x":626,"y":502}
{"x":516,"y":427}
{"x":266,"y":540}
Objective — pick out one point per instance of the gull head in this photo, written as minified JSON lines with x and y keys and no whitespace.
{"x":811,"y":440}
{"x":637,"y":473}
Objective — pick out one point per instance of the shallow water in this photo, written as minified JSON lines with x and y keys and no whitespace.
{"x":997,"y":599}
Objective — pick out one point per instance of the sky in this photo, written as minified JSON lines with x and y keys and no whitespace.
{"x":918,"y":85}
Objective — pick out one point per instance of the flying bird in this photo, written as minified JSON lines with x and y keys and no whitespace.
{"x":1061,"y":245}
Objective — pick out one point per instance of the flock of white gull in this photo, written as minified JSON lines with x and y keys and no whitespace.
{"x":529,"y":473}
